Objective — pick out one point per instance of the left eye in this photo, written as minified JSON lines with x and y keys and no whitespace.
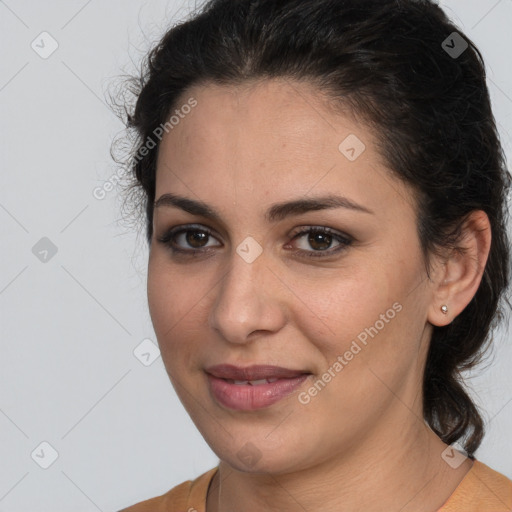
{"x":319,"y":238}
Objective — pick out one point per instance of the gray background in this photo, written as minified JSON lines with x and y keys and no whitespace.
{"x":70,"y":321}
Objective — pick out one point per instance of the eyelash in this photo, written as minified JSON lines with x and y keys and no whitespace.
{"x":168,"y":239}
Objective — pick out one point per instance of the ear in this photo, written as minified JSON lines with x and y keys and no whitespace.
{"x":459,"y":275}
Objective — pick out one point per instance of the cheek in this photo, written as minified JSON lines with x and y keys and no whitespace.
{"x":175,"y":304}
{"x":369,"y":318}
{"x":170,"y":298}
{"x":167,"y":306}
{"x":160,"y":300}
{"x":347,"y":303}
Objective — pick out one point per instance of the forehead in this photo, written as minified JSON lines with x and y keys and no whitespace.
{"x":271,"y":105}
{"x":269,"y":138}
{"x":264,"y":123}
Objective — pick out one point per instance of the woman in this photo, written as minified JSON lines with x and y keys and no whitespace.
{"x":324,"y":191}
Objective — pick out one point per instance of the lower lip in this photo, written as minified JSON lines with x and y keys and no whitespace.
{"x":244,"y":397}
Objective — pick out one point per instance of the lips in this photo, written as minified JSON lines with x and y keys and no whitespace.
{"x":252,"y":387}
{"x":255,"y":374}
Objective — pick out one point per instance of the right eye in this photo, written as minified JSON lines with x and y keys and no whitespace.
{"x":193,"y":235}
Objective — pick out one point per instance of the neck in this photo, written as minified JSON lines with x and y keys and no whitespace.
{"x":406,"y":474}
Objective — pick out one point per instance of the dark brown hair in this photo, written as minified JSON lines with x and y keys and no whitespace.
{"x":395,"y":64}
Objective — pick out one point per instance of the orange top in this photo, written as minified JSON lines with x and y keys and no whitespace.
{"x":481,"y":490}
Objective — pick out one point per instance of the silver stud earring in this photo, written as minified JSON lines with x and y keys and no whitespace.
{"x":444,"y":309}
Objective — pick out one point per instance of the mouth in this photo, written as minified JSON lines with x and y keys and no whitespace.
{"x":252,"y":387}
{"x":253,"y":373}
{"x":251,"y":382}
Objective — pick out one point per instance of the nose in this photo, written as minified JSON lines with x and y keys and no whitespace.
{"x":250,"y":300}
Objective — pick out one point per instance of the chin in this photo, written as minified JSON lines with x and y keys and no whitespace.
{"x":253,"y":456}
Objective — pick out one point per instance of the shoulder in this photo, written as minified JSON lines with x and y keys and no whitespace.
{"x":176,"y":498}
{"x":482,"y":490}
{"x":187,"y":495}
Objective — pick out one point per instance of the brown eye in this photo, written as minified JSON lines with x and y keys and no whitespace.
{"x":190,"y":240}
{"x":195,"y":238}
{"x":320,"y":239}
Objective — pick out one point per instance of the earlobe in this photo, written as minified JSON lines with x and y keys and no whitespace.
{"x":461,"y":273}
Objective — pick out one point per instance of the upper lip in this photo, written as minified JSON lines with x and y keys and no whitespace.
{"x":254,"y":372}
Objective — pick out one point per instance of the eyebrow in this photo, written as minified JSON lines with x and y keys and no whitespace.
{"x":275,"y":212}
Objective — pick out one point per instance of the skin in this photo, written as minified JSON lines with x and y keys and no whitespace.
{"x":361,"y":442}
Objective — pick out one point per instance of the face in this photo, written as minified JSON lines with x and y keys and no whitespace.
{"x":336,"y":293}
